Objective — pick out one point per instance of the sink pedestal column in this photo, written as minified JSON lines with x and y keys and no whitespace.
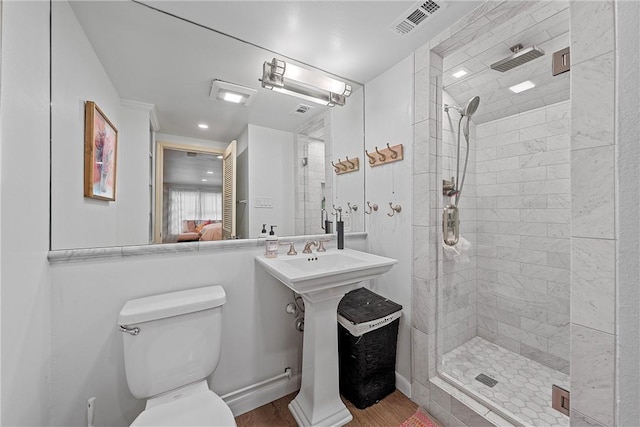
{"x":318,"y":403}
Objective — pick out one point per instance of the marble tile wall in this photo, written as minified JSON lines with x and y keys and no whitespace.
{"x":593,"y":243}
{"x":523,"y":214}
{"x":592,"y":200}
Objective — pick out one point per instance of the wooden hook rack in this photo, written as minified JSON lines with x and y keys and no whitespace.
{"x":386,"y":155}
{"x":346,"y":166}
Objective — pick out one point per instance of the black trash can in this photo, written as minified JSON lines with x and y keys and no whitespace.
{"x":367,"y":340}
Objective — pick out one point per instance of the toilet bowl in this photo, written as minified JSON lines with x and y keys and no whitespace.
{"x":201,"y":407}
{"x":171,"y":345}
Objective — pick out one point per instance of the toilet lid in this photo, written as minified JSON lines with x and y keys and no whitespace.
{"x":201,"y":409}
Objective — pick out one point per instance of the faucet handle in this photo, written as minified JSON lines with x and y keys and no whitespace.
{"x":321,"y":243}
{"x":292,"y":249}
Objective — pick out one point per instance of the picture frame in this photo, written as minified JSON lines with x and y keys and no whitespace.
{"x":100,"y":154}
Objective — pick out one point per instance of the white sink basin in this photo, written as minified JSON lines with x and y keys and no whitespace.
{"x":313,"y":272}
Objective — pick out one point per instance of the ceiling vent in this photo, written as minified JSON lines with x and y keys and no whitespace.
{"x":302,"y":109}
{"x":415,"y":16}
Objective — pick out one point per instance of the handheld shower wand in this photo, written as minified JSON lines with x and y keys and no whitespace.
{"x":450,"y":220}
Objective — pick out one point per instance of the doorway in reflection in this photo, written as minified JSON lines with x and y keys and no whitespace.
{"x":192,"y":196}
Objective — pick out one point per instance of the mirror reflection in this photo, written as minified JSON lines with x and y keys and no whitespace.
{"x":163,"y":81}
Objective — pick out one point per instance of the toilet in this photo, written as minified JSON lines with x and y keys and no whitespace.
{"x":171,"y":345}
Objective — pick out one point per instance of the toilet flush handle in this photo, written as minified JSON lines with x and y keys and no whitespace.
{"x":130,"y":331}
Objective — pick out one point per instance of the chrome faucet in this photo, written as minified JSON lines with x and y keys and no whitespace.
{"x":307,"y":247}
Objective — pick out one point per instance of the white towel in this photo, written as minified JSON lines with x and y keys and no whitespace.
{"x":457,"y":252}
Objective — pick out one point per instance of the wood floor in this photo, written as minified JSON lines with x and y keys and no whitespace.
{"x":389,"y":412}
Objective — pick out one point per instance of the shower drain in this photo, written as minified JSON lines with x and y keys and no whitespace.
{"x":486,"y":380}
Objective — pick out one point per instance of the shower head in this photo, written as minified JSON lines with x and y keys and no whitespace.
{"x":520,"y":56}
{"x":471,"y":107}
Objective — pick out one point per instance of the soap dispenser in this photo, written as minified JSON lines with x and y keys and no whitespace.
{"x":271,"y":244}
{"x":263,"y":233}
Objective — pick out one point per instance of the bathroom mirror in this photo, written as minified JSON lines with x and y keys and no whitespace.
{"x":152,"y":74}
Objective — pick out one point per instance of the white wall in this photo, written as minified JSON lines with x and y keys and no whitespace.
{"x":271,"y":175}
{"x":347,"y":127}
{"x":389,"y":113}
{"x":242,"y":184}
{"x":78,"y":76}
{"x":24,"y":278}
{"x":628,"y":212}
{"x":133,"y":195}
{"x":259,"y":338}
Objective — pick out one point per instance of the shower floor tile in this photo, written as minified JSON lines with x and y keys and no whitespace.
{"x":523,"y":391}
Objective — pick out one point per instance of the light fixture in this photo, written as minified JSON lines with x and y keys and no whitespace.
{"x":307,"y":84}
{"x":230,"y":92}
{"x":459,"y":73}
{"x":521,"y":87}
{"x":209,"y":172}
{"x":203,"y":126}
{"x":219,"y":157}
{"x":204,"y":180}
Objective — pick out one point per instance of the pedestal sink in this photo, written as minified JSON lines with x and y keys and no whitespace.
{"x":322,"y":279}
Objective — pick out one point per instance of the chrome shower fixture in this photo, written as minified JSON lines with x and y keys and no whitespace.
{"x":453,"y":188}
{"x":468,"y":110}
{"x":520,"y":56}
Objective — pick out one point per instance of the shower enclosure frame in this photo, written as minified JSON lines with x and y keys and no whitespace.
{"x":428,"y":257}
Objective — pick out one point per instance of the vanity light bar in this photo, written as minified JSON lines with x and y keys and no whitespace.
{"x":306,"y":84}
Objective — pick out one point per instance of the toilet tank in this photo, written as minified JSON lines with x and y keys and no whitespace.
{"x":178,"y":341}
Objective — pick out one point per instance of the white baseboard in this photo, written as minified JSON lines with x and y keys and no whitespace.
{"x":403,"y":385}
{"x":257,"y":397}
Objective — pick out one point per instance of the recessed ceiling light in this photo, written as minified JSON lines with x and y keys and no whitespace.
{"x":231,"y":92}
{"x":204,"y":180}
{"x":233,"y":97}
{"x":521,"y":87}
{"x":210,"y":172}
{"x":219,"y":157}
{"x":203,"y":126}
{"x":459,"y":74}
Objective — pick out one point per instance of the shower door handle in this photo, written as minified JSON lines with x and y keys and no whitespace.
{"x":450,"y":225}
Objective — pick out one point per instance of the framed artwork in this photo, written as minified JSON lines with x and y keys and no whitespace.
{"x":100,"y":149}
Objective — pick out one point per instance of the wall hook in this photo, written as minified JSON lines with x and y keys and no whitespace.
{"x":351,"y":164}
{"x":373,"y":207}
{"x":352,"y":208}
{"x":336,"y":167}
{"x":341,"y":165}
{"x":394,"y":209}
{"x":394,"y":154}
{"x":382,"y":156}
{"x":372,"y":160}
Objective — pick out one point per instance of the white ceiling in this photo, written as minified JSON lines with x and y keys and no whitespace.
{"x":349,"y":38}
{"x":544,"y":24}
{"x":156,"y":58}
{"x":180,"y":168}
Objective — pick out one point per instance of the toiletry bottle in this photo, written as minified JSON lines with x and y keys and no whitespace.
{"x":340,"y":231}
{"x":271,"y":244}
{"x":263,"y":233}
